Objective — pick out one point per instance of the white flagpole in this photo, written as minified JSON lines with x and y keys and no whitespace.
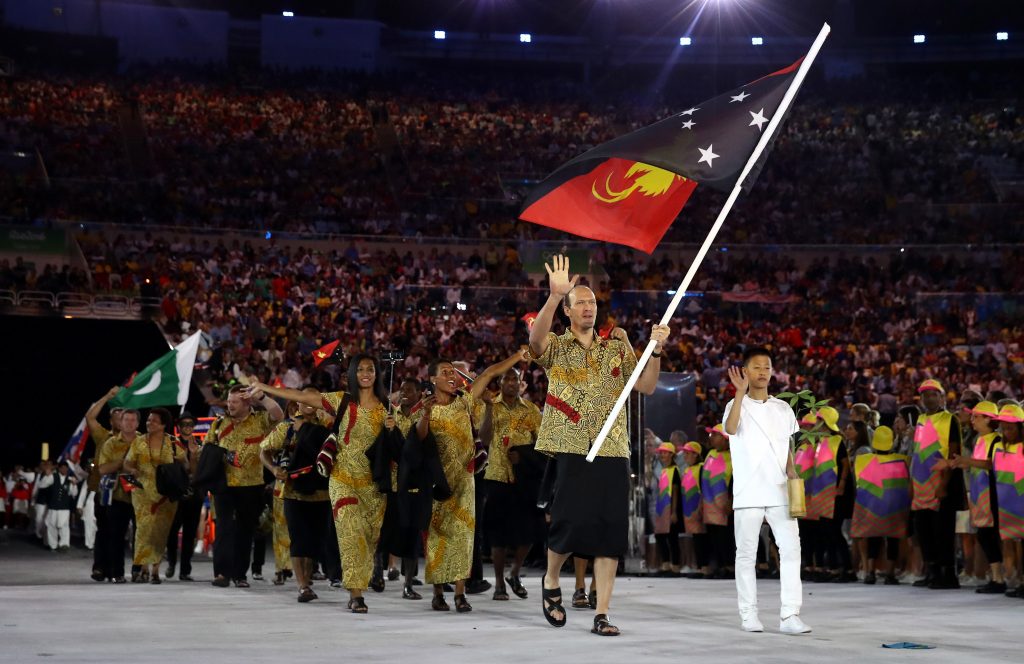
{"x":773,"y":125}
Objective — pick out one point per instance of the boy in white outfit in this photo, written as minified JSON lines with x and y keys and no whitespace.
{"x":759,"y":428}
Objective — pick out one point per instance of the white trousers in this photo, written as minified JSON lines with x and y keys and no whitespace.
{"x":787,"y":537}
{"x":89,"y":520}
{"x":39,"y":517}
{"x":58,"y":528}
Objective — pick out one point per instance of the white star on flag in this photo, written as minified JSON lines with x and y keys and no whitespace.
{"x":688,"y":124}
{"x":740,"y":97}
{"x":757,"y":119}
{"x":689,"y":111}
{"x":707,"y":155}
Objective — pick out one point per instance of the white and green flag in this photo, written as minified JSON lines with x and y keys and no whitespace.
{"x":164,"y":382}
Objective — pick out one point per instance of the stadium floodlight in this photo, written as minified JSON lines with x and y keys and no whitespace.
{"x":525,"y":38}
{"x":757,"y":41}
{"x":288,"y":14}
{"x":439,"y":34}
{"x":1002,"y":36}
{"x":685,"y":41}
{"x":918,"y":39}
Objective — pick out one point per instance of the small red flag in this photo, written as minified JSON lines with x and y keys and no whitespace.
{"x":324,"y":353}
{"x":529,"y":319}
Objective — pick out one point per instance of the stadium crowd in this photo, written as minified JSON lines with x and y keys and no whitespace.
{"x":453,"y":158}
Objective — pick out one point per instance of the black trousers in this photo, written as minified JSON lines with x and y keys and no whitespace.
{"x":259,"y":552}
{"x":833,"y":550}
{"x":701,"y":549}
{"x":330,"y":558}
{"x":988,"y":538}
{"x":186,"y":519}
{"x":668,"y":546}
{"x":722,"y":541}
{"x":119,"y":515}
{"x":892,"y":548}
{"x":936,"y":532}
{"x":808,"y":541}
{"x":238,"y":513}
{"x":99,"y":552}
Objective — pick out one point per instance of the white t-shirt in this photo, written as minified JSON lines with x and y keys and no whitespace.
{"x":758,"y":475}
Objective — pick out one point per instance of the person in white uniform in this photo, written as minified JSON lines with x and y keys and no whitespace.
{"x":759,"y":428}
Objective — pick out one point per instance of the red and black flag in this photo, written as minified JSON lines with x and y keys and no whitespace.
{"x":630,"y":189}
{"x":328,"y":353}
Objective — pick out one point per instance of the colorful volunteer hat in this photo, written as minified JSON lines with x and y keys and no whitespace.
{"x":1011,"y":412}
{"x":882,"y":440}
{"x":718,"y":428}
{"x":931,"y":384}
{"x":667,"y":447}
{"x":830,"y":416}
{"x":986,"y":408}
{"x":694,"y":447}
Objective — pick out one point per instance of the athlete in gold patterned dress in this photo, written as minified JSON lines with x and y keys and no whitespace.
{"x":153,"y":513}
{"x":448,"y":415}
{"x":357,"y":503}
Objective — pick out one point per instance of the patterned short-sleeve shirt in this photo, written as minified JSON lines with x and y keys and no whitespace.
{"x":583,"y":385}
{"x":276,"y":441}
{"x":243,"y":438}
{"x":406,"y":422}
{"x":514,"y":425}
{"x":115,"y":449}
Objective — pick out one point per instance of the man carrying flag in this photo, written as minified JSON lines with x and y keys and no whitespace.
{"x":630,"y":189}
{"x":100,"y":435}
{"x":589,"y":513}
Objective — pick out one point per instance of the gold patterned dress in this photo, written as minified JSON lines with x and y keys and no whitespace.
{"x":153,"y":513}
{"x":449,"y":548}
{"x":282,"y":540}
{"x":356,"y":503}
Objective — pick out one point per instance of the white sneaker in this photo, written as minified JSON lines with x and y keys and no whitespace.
{"x":793,"y":625}
{"x":751,"y":623}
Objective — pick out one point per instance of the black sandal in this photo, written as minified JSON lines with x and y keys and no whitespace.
{"x":602,"y":627}
{"x":551,"y":600}
{"x":357,"y":605}
{"x":438,"y":603}
{"x":462,"y":605}
{"x":593,"y":599}
{"x":306,"y":595}
{"x":516,"y":584}
{"x":409,"y":593}
{"x":580,"y":600}
{"x":377,"y":584}
{"x":500,"y":594}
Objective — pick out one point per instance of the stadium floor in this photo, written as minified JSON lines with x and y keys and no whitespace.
{"x":50,"y":609}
